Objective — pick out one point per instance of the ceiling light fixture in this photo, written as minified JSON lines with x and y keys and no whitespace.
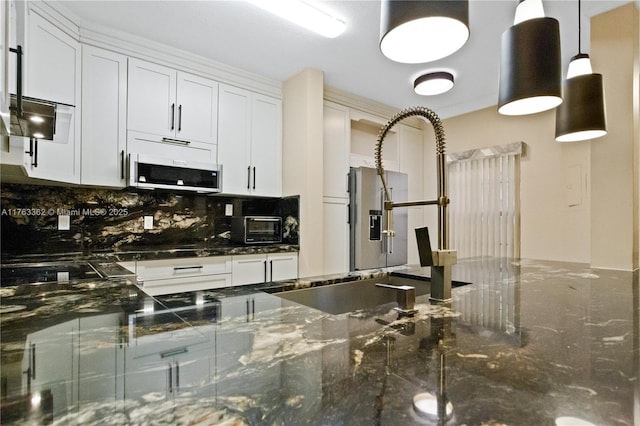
{"x":531,"y":64}
{"x":433,"y":83}
{"x":582,"y":115}
{"x":414,"y":32}
{"x":304,"y":14}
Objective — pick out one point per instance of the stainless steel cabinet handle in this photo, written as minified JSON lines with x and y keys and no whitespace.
{"x":30,"y":152}
{"x":249,"y":177}
{"x":173,"y":116}
{"x":34,"y":163}
{"x":170,"y":372}
{"x":251,"y":313}
{"x":33,"y":361}
{"x":271,"y":270}
{"x":122,"y":164}
{"x":175,"y":141}
{"x":265,"y":271}
{"x":254,"y":177}
{"x":183,"y":268}
{"x":174,"y":352}
{"x":180,"y":118}
{"x":177,"y":377}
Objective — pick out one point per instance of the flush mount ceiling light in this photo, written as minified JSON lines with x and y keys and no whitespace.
{"x":582,"y":115}
{"x":414,"y":32}
{"x":531,"y":64}
{"x":304,"y":14}
{"x":433,"y":83}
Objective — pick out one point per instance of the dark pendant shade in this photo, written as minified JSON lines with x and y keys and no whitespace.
{"x":530,"y":67}
{"x":582,"y":115}
{"x":422,"y":31}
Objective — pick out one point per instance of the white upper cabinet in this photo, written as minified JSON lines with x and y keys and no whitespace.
{"x":104,"y":113}
{"x":197,"y":115}
{"x":172,"y":107}
{"x":250,"y":142}
{"x":53,"y":67}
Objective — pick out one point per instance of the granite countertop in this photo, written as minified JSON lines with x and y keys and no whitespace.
{"x":156,"y":252}
{"x":526,"y":343}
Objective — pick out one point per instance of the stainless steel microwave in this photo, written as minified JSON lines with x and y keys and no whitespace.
{"x":256,"y":229}
{"x":146,"y":171}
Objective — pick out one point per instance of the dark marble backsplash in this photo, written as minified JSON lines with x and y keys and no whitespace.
{"x":113,"y":220}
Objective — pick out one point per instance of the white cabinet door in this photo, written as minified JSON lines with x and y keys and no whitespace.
{"x":250,"y":142}
{"x":234,"y":144}
{"x":104,"y":106}
{"x":52,"y":63}
{"x":260,"y":268}
{"x":170,"y":113}
{"x":336,"y":146}
{"x":52,"y":72}
{"x":49,"y":364}
{"x":101,"y":349}
{"x":249,"y":269}
{"x":336,"y":236}
{"x":282,"y":266}
{"x":152,"y":98}
{"x":172,"y":372}
{"x":197,"y":114}
{"x":266,"y":146}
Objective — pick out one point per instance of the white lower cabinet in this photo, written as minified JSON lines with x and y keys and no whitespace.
{"x":243,"y":341}
{"x":260,"y":268}
{"x":49,"y":366}
{"x":169,"y":372}
{"x":180,"y":275}
{"x":166,"y":276}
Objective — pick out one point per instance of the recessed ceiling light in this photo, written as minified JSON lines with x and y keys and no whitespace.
{"x":304,"y":14}
{"x":36,"y":119}
{"x":38,"y":135}
{"x":433,"y":83}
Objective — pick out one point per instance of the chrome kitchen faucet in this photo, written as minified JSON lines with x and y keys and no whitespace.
{"x":443,"y":258}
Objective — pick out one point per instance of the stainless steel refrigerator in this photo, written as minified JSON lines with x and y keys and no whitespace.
{"x":369,"y":247}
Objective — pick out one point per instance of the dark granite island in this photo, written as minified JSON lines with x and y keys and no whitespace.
{"x":527,"y":343}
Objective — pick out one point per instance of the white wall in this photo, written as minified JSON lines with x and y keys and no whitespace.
{"x":554,"y":218}
{"x":579,"y":201}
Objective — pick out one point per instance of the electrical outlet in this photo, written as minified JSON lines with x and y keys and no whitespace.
{"x":228,"y":209}
{"x":148,"y":222}
{"x":64,"y":222}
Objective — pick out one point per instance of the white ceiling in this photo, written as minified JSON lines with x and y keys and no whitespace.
{"x":238,"y":34}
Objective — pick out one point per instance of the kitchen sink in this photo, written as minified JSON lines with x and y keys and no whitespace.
{"x":354,"y":295}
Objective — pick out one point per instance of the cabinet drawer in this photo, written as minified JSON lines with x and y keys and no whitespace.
{"x":185,"y":284}
{"x":143,"y":143}
{"x":149,"y":270}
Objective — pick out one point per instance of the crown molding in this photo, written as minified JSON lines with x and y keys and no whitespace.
{"x":368,"y":106}
{"x":93,"y":34}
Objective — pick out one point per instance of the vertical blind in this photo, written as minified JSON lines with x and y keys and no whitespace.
{"x":485,"y":209}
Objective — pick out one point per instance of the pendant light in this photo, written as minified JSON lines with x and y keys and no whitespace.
{"x":531,"y":64}
{"x":582,"y":115}
{"x":421,"y":31}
